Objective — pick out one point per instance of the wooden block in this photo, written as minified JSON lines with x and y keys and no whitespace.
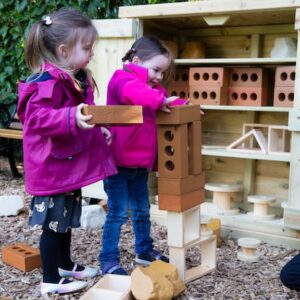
{"x":285,"y":76}
{"x":208,"y":77}
{"x":179,"y":91}
{"x":177,"y":257}
{"x":179,"y":115}
{"x":279,"y":141}
{"x":114,"y":114}
{"x":284,"y":96}
{"x":183,"y":227}
{"x":180,"y":203}
{"x":173,"y":151}
{"x":208,"y":95}
{"x":194,"y":147}
{"x":251,"y":143}
{"x":249,"y":77}
{"x":21,"y":256}
{"x":215,"y":226}
{"x":248,"y":96}
{"x":180,"y":186}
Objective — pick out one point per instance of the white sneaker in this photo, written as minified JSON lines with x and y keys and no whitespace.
{"x":62,"y":288}
{"x":87,"y":272}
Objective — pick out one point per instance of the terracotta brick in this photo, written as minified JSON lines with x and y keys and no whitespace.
{"x":194,"y":147}
{"x":285,"y":76}
{"x":21,"y":256}
{"x":114,"y":114}
{"x":179,"y":115}
{"x":208,"y":95}
{"x":284,"y":96}
{"x":180,"y":91}
{"x":180,"y":77}
{"x":180,"y":186}
{"x":208,"y":77}
{"x":248,"y":96}
{"x":180,"y":203}
{"x":173,"y":151}
{"x":249,"y":77}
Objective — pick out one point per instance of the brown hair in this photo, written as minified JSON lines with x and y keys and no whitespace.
{"x":147,"y":47}
{"x":65,"y":26}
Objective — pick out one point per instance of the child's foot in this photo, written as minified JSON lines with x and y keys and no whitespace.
{"x":113,"y":268}
{"x":145,"y":258}
{"x":64,"y":286}
{"x":78,"y":272}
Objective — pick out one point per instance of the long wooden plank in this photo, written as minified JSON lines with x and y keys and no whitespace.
{"x":205,"y":7}
{"x":114,"y":114}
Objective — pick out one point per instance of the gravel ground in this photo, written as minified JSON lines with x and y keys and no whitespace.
{"x":232,"y":279}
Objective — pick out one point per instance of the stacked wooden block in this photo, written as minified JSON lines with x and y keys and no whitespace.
{"x":208,"y":86}
{"x":284,"y":86}
{"x":249,"y":87}
{"x":179,"y":84}
{"x":181,"y":187}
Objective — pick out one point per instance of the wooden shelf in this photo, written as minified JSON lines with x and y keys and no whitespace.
{"x":246,"y":108}
{"x":235,"y":154}
{"x":236,"y":61}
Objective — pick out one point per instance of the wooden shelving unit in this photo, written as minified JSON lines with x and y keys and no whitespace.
{"x":235,"y":33}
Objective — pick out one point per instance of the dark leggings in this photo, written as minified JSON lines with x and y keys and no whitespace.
{"x":290,"y":273}
{"x":55,"y":253}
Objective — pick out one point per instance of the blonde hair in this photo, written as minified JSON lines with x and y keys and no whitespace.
{"x":65,"y":26}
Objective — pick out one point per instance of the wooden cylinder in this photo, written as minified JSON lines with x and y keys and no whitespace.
{"x":222,"y":200}
{"x":260,"y":209}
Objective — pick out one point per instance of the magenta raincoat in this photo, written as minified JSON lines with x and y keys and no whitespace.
{"x":135,"y":146}
{"x":58,"y":156}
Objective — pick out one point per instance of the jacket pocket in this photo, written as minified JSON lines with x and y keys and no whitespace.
{"x":65,"y":148}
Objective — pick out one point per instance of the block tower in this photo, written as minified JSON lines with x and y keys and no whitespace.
{"x":181,"y":188}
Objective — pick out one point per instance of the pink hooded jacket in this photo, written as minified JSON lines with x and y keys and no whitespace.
{"x":58,"y":156}
{"x":135,"y":146}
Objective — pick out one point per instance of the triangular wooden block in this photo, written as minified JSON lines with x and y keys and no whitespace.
{"x":239,"y":144}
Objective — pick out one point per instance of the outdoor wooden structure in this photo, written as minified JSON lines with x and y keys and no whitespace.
{"x":235,"y":33}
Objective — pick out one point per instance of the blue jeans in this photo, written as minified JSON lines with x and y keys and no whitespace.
{"x":128,"y":190}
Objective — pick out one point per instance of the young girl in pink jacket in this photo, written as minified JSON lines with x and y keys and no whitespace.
{"x":62,"y":152}
{"x":134,"y":150}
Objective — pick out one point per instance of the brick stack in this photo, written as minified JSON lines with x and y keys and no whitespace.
{"x":284,"y":86}
{"x":248,"y":87}
{"x":208,"y":86}
{"x":181,"y":187}
{"x":179,"y":84}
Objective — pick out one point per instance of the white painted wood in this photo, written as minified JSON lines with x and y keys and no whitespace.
{"x":247,"y":108}
{"x":11,"y":205}
{"x":183,"y":227}
{"x":216,"y":20}
{"x":95,"y":190}
{"x":201,"y":8}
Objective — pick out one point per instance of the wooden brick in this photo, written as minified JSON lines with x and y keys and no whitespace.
{"x":180,"y":203}
{"x":284,"y":96}
{"x":249,"y":77}
{"x":179,"y":91}
{"x":208,"y":95}
{"x":21,"y":256}
{"x":180,"y":186}
{"x":173,"y":151}
{"x":285,"y":76}
{"x":208,"y":77}
{"x":194,"y":147}
{"x":248,"y":96}
{"x":179,"y":115}
{"x":114,"y":114}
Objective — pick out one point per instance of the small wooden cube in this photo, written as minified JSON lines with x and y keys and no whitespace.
{"x":114,"y":114}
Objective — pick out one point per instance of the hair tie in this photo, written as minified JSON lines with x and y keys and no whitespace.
{"x":46,"y":20}
{"x":133,"y":50}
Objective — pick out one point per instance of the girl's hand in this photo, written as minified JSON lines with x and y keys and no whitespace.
{"x":107,"y":135}
{"x":81,"y":120}
{"x":168,"y":101}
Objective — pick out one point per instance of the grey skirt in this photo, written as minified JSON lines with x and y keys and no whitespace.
{"x":58,"y":212}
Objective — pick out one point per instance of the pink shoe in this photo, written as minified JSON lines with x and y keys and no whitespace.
{"x":62,"y":288}
{"x":87,"y":272}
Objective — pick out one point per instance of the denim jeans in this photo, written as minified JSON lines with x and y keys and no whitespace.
{"x":128,"y":190}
